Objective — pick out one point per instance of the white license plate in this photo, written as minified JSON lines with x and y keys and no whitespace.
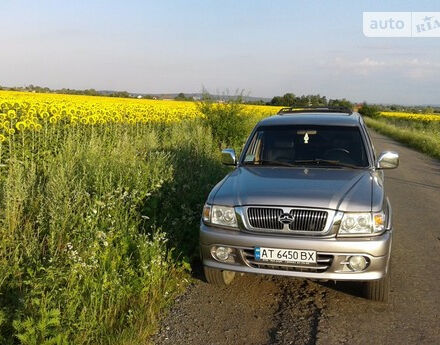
{"x":285,"y":255}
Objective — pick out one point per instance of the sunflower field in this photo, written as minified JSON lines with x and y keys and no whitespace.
{"x":21,"y":111}
{"x":100,"y":201}
{"x":411,"y":116}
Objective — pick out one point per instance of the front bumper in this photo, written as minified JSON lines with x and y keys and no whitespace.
{"x":376,"y":248}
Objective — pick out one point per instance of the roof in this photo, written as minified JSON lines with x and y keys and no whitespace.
{"x":309,"y":118}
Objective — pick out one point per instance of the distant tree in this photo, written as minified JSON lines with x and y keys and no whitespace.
{"x":181,"y":97}
{"x":289,"y":99}
{"x":276,"y":101}
{"x":340,"y":103}
{"x":256,"y":102}
{"x":369,"y":110}
{"x":121,"y":94}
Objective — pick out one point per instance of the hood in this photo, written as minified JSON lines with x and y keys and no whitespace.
{"x":337,"y":189}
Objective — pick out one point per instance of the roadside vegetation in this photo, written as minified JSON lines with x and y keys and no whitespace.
{"x":420,"y":131}
{"x":100,"y":202}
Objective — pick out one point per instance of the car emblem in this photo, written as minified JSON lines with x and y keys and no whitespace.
{"x":285,"y":218}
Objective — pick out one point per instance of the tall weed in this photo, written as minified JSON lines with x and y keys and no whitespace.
{"x":228,"y":121}
{"x":88,"y":225}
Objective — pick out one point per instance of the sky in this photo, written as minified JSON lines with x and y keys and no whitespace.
{"x":263,"y":47}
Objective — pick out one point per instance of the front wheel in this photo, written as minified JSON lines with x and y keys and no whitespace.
{"x":379,"y":290}
{"x":218,"y":277}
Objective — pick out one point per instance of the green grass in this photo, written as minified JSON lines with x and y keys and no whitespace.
{"x":97,"y":229}
{"x":99,"y":225}
{"x":423,"y":137}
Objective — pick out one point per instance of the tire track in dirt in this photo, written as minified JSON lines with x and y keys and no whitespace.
{"x":252,"y":310}
{"x":299,"y":312}
{"x":238,"y":314}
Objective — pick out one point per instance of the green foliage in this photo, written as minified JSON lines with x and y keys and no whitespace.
{"x":121,"y":94}
{"x":177,"y":205}
{"x":227,"y":120}
{"x":181,"y":97}
{"x":423,"y":137}
{"x":369,"y":110}
{"x":428,"y":110}
{"x":3,"y":321}
{"x":290,"y":100}
{"x":340,"y":103}
{"x":46,"y":330}
{"x":96,"y":223}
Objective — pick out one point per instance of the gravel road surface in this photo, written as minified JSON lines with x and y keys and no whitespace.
{"x":277,"y":310}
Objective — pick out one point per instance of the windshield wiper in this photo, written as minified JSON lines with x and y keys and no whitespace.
{"x":319,"y":161}
{"x":269,"y":162}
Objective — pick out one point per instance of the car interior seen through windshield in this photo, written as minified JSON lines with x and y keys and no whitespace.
{"x":307,"y":145}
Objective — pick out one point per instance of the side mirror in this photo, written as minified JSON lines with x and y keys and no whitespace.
{"x":388,"y":160}
{"x":228,"y":157}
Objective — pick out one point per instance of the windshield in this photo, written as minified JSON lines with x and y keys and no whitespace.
{"x":307,"y":145}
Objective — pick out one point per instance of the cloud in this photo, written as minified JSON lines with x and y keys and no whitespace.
{"x":367,"y":63}
{"x":413,"y":68}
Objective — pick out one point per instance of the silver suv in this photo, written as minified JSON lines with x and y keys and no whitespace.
{"x":306,"y":199}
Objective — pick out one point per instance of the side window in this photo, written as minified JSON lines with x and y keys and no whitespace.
{"x":253,"y":153}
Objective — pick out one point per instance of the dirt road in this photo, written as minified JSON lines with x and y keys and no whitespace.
{"x":274,"y":310}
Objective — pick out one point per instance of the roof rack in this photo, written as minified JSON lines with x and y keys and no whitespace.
{"x":323,"y":109}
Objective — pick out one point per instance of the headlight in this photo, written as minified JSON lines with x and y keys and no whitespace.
{"x":220,"y":215}
{"x":362,"y":223}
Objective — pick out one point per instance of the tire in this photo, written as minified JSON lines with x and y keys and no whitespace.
{"x":379,"y":290}
{"x":218,"y":277}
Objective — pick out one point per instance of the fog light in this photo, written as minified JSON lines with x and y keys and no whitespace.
{"x":222,"y":253}
{"x":357,"y":263}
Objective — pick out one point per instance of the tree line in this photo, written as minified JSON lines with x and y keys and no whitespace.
{"x":291,"y":100}
{"x":67,"y":91}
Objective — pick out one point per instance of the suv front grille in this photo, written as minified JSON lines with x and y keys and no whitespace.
{"x":308,"y":220}
{"x":324,"y":261}
{"x":303,"y":219}
{"x":265,"y":218}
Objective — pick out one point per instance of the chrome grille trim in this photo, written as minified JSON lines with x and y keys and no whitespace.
{"x":265,"y":218}
{"x":306,"y":220}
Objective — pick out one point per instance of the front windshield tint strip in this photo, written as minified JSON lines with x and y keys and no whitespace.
{"x":322,"y":146}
